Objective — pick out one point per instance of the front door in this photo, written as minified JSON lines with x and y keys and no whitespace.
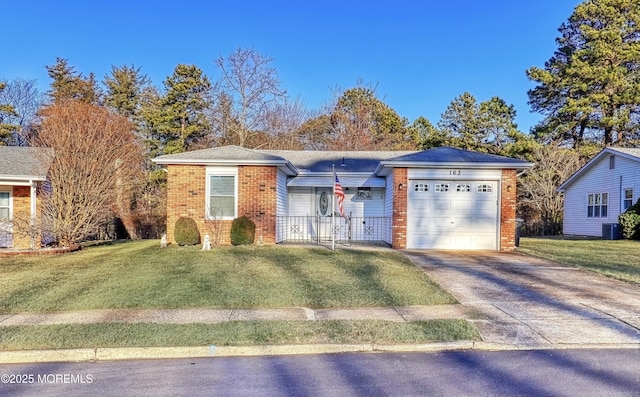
{"x":323,"y":210}
{"x":6,"y":228}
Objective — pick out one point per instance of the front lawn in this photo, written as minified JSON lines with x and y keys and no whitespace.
{"x":619,"y":259}
{"x":140,"y":274}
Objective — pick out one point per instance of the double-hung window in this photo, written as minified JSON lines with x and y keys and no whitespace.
{"x":5,"y":206}
{"x":597,"y":205}
{"x":628,"y":199}
{"x":222,"y":193}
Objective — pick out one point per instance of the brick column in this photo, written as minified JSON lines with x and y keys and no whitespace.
{"x":22,"y":215}
{"x":508,"y":210}
{"x":185,"y":196}
{"x":257,"y":190}
{"x":399,"y":217}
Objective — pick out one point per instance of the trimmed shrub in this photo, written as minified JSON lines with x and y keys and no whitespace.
{"x":630,"y":222}
{"x":186,"y":232}
{"x":243,"y":231}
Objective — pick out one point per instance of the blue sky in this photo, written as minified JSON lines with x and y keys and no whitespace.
{"x":420,"y":54}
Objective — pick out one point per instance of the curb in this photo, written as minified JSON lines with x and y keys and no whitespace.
{"x":149,"y":353}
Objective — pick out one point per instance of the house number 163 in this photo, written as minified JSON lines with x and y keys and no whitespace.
{"x":455,"y":172}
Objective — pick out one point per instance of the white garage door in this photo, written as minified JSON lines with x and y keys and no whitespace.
{"x":452,"y":214}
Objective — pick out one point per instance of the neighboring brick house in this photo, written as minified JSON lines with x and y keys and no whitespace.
{"x":441,"y":198}
{"x":23,"y":170}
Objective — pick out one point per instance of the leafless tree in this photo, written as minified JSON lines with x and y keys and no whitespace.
{"x":23,"y":96}
{"x":97,"y":163}
{"x":538,"y":187}
{"x":250,"y":87}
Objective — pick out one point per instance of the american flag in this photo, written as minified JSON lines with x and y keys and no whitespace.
{"x":337,"y":190}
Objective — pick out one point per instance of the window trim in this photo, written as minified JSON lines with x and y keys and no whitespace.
{"x":596,"y":206}
{"x":10,"y":191}
{"x":625,"y":199}
{"x":220,"y":171}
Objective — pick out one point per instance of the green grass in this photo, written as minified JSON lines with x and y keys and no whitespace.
{"x":244,"y":333}
{"x":140,"y":274}
{"x":619,"y":259}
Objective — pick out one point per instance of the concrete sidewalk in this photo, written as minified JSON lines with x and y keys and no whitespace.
{"x":214,"y":316}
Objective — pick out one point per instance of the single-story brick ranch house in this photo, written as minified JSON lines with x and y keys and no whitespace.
{"x":23,"y":170}
{"x":442,"y":198}
{"x":600,"y":191}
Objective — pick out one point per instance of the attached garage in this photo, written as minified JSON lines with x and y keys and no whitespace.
{"x":446,"y":198}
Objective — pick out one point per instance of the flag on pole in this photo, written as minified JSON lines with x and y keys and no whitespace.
{"x":337,"y":190}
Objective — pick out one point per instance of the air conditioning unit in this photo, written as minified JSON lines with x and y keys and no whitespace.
{"x":611,"y":231}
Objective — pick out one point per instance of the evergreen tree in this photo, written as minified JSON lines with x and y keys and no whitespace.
{"x":183,"y":118}
{"x":6,"y":112}
{"x":124,"y":89}
{"x":461,"y":121}
{"x":68,"y":84}
{"x":592,"y":83}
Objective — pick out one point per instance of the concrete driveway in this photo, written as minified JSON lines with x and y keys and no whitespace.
{"x":522,"y":301}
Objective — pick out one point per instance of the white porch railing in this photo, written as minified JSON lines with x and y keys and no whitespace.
{"x":318,"y":229}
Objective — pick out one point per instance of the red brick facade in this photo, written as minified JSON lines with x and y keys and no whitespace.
{"x":22,"y":214}
{"x":508,"y":210}
{"x":257,"y":186}
{"x":186,"y":196}
{"x":399,"y":216}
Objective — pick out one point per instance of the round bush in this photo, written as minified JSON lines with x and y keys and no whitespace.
{"x":186,"y":232}
{"x":243,"y":231}
{"x":630,"y":222}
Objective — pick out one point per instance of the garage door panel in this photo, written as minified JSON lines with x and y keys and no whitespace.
{"x":462,"y":224}
{"x":485,"y":241}
{"x":441,"y":223}
{"x":442,"y":205}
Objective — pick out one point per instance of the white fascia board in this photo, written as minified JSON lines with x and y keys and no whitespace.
{"x":576,"y":175}
{"x":385,"y":166}
{"x":20,"y":180}
{"x":287,"y":166}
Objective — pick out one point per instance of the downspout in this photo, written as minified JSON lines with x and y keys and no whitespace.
{"x":32,"y":218}
{"x":621,"y":203}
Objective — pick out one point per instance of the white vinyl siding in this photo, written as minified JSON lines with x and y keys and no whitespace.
{"x":597,"y":180}
{"x":388,"y":208}
{"x":281,"y":204}
{"x":222,"y":193}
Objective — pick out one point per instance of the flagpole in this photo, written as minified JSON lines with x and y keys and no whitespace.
{"x":333,"y":209}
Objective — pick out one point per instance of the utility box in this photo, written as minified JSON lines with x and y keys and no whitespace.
{"x":611,"y":231}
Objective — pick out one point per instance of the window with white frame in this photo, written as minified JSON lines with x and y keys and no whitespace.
{"x":463,"y":187}
{"x":597,"y":205}
{"x":5,"y":206}
{"x":421,"y":187}
{"x":628,"y":199}
{"x":441,"y":187}
{"x":221,"y":196}
{"x":485,"y":188}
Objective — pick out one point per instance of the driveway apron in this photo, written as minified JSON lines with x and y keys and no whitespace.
{"x":525,"y":301}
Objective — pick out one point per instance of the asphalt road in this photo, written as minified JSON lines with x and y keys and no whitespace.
{"x":454,"y":373}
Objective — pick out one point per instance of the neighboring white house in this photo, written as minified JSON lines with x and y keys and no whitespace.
{"x":600,"y":191}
